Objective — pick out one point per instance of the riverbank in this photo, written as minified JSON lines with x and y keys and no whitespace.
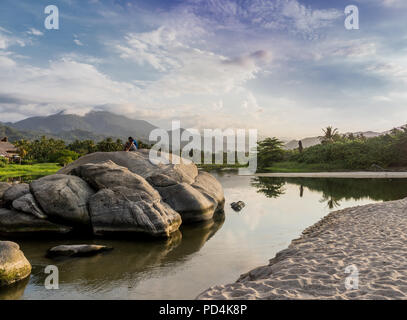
{"x":373,"y":238}
{"x":344,"y":175}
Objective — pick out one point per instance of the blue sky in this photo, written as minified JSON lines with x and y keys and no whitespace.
{"x":285,"y":67}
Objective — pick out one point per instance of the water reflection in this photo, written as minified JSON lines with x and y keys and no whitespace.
{"x":130,"y":262}
{"x":334,"y":191}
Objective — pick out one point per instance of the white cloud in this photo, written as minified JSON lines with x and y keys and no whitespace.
{"x":35,"y":32}
{"x":78,"y":42}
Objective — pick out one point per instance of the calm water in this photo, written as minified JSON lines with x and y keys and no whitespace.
{"x":276,"y":211}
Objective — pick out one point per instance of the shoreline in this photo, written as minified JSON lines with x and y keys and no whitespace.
{"x":372,"y":237}
{"x":352,"y":175}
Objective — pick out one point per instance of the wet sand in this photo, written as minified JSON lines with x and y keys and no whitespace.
{"x":372,"y":238}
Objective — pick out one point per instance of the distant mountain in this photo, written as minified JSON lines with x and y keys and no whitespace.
{"x":96,"y":124}
{"x":312,"y":141}
{"x":14,"y":134}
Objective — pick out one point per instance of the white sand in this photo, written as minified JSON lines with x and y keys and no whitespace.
{"x":371,"y":237}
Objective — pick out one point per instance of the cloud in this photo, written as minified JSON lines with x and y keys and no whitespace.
{"x":35,"y":32}
{"x":8,"y":40}
{"x":288,"y":15}
{"x":78,"y":42}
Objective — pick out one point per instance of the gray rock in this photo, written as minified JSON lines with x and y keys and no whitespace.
{"x":63,"y":197}
{"x":139,"y":163}
{"x":238,"y":206}
{"x":13,"y":264}
{"x":13,"y":223}
{"x":191,"y":204}
{"x":14,"y":192}
{"x":108,"y":175}
{"x":78,"y":250}
{"x":28,"y":204}
{"x":211,"y":188}
{"x":3,"y":187}
{"x":195,"y":196}
{"x":123,"y":210}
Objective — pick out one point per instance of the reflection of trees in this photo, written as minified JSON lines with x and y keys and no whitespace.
{"x":270,"y":187}
{"x":335,"y":190}
{"x":354,"y":189}
{"x":330,"y":202}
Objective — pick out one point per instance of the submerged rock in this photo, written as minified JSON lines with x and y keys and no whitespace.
{"x":14,"y":192}
{"x":13,"y":264}
{"x":27,"y":204}
{"x":16,"y":223}
{"x":238,"y":206}
{"x":81,"y":250}
{"x":63,"y":197}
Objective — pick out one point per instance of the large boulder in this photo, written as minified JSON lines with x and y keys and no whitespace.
{"x":140,"y":163}
{"x":191,"y":204}
{"x":13,"y":223}
{"x":63,"y":197}
{"x":14,"y":192}
{"x":211,"y":188}
{"x":28,"y":205}
{"x":13,"y":264}
{"x":126,"y":202}
{"x":108,"y":175}
{"x":196,"y":196}
{"x":123,"y":210}
{"x":3,"y":187}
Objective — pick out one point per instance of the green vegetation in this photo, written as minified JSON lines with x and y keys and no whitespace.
{"x":39,"y":169}
{"x":51,"y":150}
{"x":336,"y":152}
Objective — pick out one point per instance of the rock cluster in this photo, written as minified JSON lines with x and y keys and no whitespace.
{"x":112,"y":192}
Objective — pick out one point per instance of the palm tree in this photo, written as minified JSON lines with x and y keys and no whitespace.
{"x":330,"y":135}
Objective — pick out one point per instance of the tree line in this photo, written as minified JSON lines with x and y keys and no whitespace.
{"x":55,"y":150}
{"x":348,"y":151}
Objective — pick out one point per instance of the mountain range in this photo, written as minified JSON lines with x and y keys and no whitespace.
{"x":95,"y":125}
{"x":98,"y":125}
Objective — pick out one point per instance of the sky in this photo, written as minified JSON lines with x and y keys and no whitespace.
{"x":285,"y":67}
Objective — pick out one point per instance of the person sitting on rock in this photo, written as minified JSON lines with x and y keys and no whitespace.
{"x":131,"y":145}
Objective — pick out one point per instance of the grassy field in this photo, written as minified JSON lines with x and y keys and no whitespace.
{"x":39,"y":169}
{"x":303,"y":167}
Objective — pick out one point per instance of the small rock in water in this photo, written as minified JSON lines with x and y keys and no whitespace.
{"x":238,"y":206}
{"x":13,"y":264}
{"x":81,"y":250}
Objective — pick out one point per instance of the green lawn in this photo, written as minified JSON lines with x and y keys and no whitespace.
{"x":303,"y":167}
{"x":39,"y":169}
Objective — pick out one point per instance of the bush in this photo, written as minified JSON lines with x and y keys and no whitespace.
{"x":3,"y":162}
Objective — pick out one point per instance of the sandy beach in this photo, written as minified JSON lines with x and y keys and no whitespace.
{"x":372,"y":238}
